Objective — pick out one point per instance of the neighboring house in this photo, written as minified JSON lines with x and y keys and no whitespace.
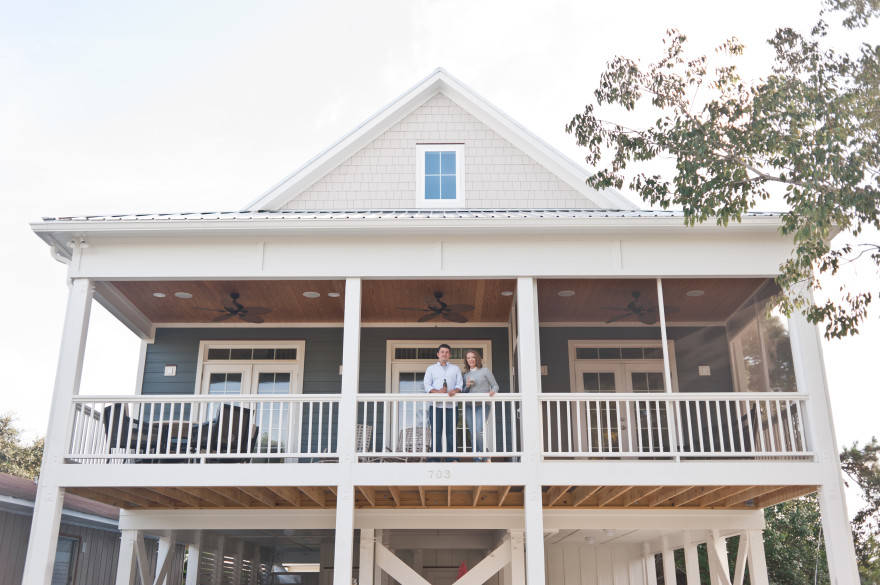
{"x":648,"y":405}
{"x":88,"y":537}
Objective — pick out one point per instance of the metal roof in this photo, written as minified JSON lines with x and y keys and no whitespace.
{"x":380,"y":214}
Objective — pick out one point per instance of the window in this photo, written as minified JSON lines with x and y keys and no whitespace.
{"x":65,"y":560}
{"x":439,"y":175}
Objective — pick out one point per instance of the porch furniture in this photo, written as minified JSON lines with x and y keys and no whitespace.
{"x":230,"y":431}
{"x":363,"y":442}
{"x":122,"y":431}
{"x":412,"y":440}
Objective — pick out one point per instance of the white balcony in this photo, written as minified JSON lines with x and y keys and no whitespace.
{"x":303,"y":428}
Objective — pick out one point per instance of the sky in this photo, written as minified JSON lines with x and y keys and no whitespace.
{"x":126,"y":107}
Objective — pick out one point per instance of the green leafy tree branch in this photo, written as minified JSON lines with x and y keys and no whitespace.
{"x":810,"y":130}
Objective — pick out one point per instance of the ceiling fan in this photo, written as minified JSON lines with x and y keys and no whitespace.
{"x":647,"y":315}
{"x":233,"y":308}
{"x":435,"y":307}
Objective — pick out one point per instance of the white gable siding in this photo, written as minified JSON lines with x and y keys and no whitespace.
{"x":382,"y":175}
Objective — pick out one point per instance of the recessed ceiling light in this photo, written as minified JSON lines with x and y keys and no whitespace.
{"x":159,"y":295}
{"x":566,"y":293}
{"x":608,"y":531}
{"x":507,"y":293}
{"x":310,"y":294}
{"x":695,"y":293}
{"x":590,"y":540}
{"x":334,"y":294}
{"x":183,"y":295}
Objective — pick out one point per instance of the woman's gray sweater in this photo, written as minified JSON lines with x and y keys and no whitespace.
{"x":484,"y":381}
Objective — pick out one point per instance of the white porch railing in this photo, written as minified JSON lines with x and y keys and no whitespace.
{"x":678,"y":426}
{"x":199,"y":429}
{"x":401,"y":426}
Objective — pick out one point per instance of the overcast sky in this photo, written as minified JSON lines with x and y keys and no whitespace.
{"x":115,"y":107}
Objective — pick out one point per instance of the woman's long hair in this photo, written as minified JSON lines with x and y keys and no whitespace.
{"x":479,"y":359}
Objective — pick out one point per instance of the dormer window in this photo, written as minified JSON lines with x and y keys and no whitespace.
{"x":439,"y":176}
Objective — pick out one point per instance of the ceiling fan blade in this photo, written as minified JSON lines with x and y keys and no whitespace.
{"x":257,"y":310}
{"x":432,"y":300}
{"x":413,"y":309}
{"x":427,"y":317}
{"x":222,"y":317}
{"x":614,"y":308}
{"x":250,"y":318}
{"x":618,"y":318}
{"x":455,"y":317}
{"x":460,"y":308}
{"x":648,"y":318}
{"x":212,"y":310}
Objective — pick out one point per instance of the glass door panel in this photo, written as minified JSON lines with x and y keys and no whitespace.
{"x":597,"y":425}
{"x":650,"y":418}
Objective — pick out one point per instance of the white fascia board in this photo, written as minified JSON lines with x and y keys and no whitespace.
{"x":55,"y":231}
{"x":438,"y":82}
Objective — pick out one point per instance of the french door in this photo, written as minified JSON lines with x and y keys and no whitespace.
{"x":609,"y":425}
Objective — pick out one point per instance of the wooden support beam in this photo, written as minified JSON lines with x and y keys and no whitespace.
{"x":315,"y":494}
{"x":477,"y":490}
{"x":635,"y":496}
{"x":236,"y":495}
{"x":782,"y":494}
{"x":110,"y":497}
{"x":738,"y":500}
{"x":395,"y":494}
{"x":332,"y":489}
{"x":182,"y":495}
{"x":581,"y":494}
{"x":449,"y":496}
{"x":665,"y":494}
{"x":710,"y":500}
{"x":139,"y":494}
{"x":261,"y":494}
{"x":369,"y":493}
{"x":694,"y":494}
{"x":612,"y":493}
{"x":502,"y":494}
{"x":211,"y":496}
{"x":422,"y":495}
{"x":554,"y":493}
{"x":291,"y":496}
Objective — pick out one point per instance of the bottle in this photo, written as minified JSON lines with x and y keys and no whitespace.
{"x":445,"y":389}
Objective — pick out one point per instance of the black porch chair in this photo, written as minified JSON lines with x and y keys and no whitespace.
{"x":230,"y":431}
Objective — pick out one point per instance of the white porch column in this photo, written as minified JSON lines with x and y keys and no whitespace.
{"x":650,"y":565}
{"x":757,"y":561}
{"x":351,"y":341}
{"x":719,"y":568}
{"x":530,"y":416}
{"x":126,"y":564}
{"x":809,"y":367}
{"x":43,"y":540}
{"x":367,"y":563}
{"x":193,"y":558}
{"x":691,"y":561}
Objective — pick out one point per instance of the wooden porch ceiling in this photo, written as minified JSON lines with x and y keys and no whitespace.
{"x":704,"y":497}
{"x":592,"y":301}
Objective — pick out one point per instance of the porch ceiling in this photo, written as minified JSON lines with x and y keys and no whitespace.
{"x":659,"y":497}
{"x":386,"y":301}
{"x":601,"y":300}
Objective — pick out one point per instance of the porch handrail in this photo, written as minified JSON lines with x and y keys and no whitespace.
{"x":402,"y":424}
{"x":202,"y":428}
{"x":744,"y":425}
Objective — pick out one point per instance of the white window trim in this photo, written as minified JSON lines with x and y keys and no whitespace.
{"x":621,"y":366}
{"x":423,"y":203}
{"x":252,"y":365}
{"x":393,"y":367}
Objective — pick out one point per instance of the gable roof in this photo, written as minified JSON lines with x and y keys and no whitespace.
{"x":24,"y":492}
{"x":438,"y":82}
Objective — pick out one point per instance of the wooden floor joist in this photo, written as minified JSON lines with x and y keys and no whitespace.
{"x":700,"y":497}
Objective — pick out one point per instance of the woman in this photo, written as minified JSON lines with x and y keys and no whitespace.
{"x":478,"y":380}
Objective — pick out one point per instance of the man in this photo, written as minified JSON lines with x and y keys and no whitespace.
{"x":443,"y":378}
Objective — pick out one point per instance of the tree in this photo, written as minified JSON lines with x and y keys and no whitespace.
{"x":793,"y":543}
{"x":810,"y":128}
{"x":17,"y":458}
{"x":861,"y":467}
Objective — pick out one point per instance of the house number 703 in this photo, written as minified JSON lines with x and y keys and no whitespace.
{"x":439,"y":473}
